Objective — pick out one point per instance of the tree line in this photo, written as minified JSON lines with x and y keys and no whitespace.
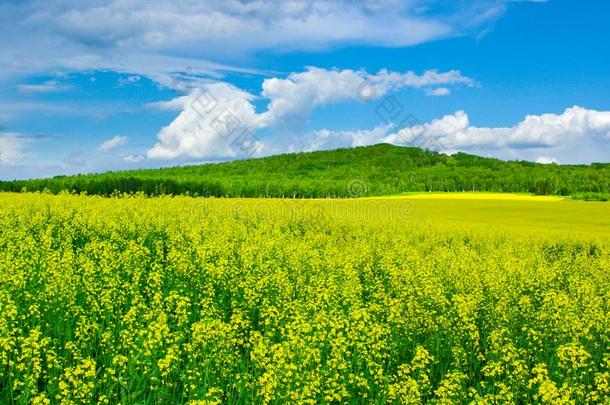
{"x":365,"y":171}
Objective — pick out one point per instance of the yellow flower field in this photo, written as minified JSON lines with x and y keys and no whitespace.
{"x":398,"y":300}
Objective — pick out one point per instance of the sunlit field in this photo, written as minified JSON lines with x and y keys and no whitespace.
{"x":515,"y":212}
{"x":451,"y":298}
{"x":479,"y":196}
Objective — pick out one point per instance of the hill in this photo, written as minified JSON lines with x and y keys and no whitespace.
{"x":363,"y":171}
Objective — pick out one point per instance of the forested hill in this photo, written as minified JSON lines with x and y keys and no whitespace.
{"x":364,"y":171}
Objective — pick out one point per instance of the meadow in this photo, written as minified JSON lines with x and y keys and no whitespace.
{"x":442,"y":298}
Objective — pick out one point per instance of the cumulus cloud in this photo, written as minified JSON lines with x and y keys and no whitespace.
{"x":12,"y":148}
{"x":199,"y":130}
{"x":112,"y":143}
{"x":216,"y":121}
{"x":454,"y":132}
{"x":299,"y":93}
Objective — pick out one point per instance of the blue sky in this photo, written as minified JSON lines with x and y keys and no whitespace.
{"x":112,"y":85}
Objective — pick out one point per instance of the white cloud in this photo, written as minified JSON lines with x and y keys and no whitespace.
{"x":50,"y":86}
{"x":439,"y":92}
{"x":214,"y":122}
{"x":195,"y":132}
{"x":545,"y":160}
{"x":130,"y":79}
{"x":253,"y":25}
{"x":299,"y":93}
{"x":175,"y":104}
{"x":112,"y":143}
{"x":454,"y":132}
{"x":435,"y":78}
{"x":11,"y":148}
{"x":133,"y":158}
{"x":157,"y":39}
{"x":327,"y":139}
